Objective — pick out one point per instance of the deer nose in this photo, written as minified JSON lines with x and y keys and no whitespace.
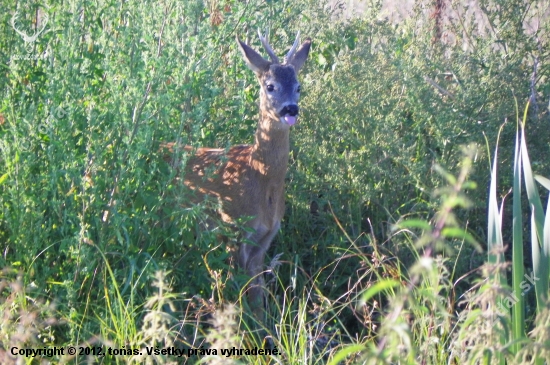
{"x":291,"y":110}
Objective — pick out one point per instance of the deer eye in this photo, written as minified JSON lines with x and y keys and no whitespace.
{"x":270,"y":88}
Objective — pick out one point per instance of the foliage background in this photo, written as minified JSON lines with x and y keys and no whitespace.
{"x":89,"y":209}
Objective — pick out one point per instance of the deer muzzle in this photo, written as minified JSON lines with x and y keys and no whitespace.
{"x":289,"y":113}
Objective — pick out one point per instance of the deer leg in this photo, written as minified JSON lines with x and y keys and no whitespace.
{"x":251,"y":259}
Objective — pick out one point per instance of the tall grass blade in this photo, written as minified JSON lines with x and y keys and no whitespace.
{"x":494,"y":219}
{"x":518,"y":310}
{"x":546,"y":240}
{"x":543,"y":181}
{"x":495,"y":244}
{"x":540,"y":257}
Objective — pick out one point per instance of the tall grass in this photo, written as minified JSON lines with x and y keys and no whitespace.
{"x":521,"y":282}
{"x":377,"y":259}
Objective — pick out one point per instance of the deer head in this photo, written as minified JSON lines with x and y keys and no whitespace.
{"x":279,"y":86}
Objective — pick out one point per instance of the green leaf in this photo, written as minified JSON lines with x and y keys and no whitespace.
{"x":4,"y":177}
{"x":414,"y":223}
{"x":345,"y":352}
{"x":460,"y":233}
{"x":380,"y":286}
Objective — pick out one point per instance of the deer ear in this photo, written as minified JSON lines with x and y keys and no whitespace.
{"x":253,"y":59}
{"x":300,"y":56}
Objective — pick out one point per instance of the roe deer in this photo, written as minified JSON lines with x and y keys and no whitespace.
{"x":248,"y":180}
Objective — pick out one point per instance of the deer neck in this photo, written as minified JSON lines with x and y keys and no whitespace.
{"x":271,"y":147}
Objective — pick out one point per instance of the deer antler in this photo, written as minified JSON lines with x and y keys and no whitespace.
{"x":268,"y":48}
{"x":290,"y":53}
